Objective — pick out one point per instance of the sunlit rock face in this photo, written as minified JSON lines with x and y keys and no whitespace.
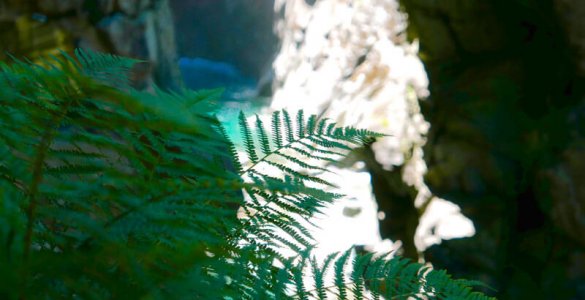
{"x":350,"y":61}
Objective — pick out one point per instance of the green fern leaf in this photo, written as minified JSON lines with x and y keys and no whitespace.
{"x":288,"y":127}
{"x":301,"y":163}
{"x":105,"y":67}
{"x":109,"y":192}
{"x":300,"y":124}
{"x":298,"y":174}
{"x":248,"y":139}
{"x":317,"y":157}
{"x":299,"y":281}
{"x":231,"y":148}
{"x":357,"y":275}
{"x":311,"y":123}
{"x":276,"y":124}
{"x":323,"y":151}
{"x":264,"y":142}
{"x":319,"y":275}
{"x":339,"y":269}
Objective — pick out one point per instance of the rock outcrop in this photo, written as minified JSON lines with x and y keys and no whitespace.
{"x":350,"y":61}
{"x":141,"y":29}
{"x":506,"y":111}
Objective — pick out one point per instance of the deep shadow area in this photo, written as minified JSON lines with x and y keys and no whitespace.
{"x":506,"y":108}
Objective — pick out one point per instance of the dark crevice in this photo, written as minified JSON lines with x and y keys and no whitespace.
{"x":310,"y":2}
{"x":396,"y":199}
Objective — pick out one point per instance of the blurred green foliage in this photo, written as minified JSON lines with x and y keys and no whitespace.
{"x":111,"y":193}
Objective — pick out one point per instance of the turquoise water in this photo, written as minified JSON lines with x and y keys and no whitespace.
{"x":231,"y":105}
{"x":240,"y":93}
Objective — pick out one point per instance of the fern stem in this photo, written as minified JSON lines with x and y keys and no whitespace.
{"x":37,"y":175}
{"x":124,"y":214}
{"x":37,"y":178}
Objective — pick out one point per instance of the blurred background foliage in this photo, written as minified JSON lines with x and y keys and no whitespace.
{"x":506,"y":108}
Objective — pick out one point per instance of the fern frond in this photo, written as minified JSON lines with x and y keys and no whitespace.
{"x":317,"y":157}
{"x":106,"y":68}
{"x":393,"y":278}
{"x":308,"y":138}
{"x":108,"y":192}
{"x":321,"y":126}
{"x":340,"y":282}
{"x":248,"y":139}
{"x":319,"y":275}
{"x":300,"y":124}
{"x":276,"y":130}
{"x":264,"y":142}
{"x":297,"y":174}
{"x":299,"y":280}
{"x":315,"y":148}
{"x":119,"y":181}
{"x":288,"y":126}
{"x":231,"y":148}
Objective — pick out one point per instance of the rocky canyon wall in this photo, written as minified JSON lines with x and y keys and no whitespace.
{"x":506,"y":142}
{"x":506,"y":136}
{"x":350,"y":61}
{"x":141,"y":29}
